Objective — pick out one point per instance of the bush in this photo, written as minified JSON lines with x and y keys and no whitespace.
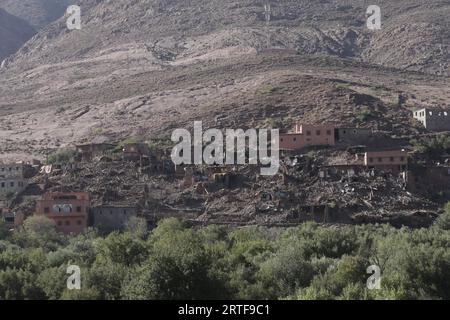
{"x":62,"y":155}
{"x":443,"y":221}
{"x":434,"y":147}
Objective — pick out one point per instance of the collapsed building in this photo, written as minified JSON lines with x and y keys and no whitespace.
{"x":87,"y":152}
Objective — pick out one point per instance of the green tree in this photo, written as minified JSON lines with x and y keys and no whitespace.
{"x":443,"y":221}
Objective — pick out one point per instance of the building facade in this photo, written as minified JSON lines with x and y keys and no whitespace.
{"x":433,"y":120}
{"x":353,"y":135}
{"x":111,"y":218}
{"x":12,"y":178}
{"x":394,"y":159}
{"x":70,"y":211}
{"x":308,"y":135}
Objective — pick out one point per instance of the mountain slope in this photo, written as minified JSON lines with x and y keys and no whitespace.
{"x":198,"y":27}
{"x":13,"y":33}
{"x":38,"y":13}
{"x":146,"y":67}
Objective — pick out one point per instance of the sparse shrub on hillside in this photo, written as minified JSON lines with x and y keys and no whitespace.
{"x":433,"y":147}
{"x":267,"y":89}
{"x":62,"y":155}
{"x":443,"y":221}
{"x":364,"y":115}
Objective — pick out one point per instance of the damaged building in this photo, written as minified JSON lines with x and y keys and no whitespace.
{"x":433,"y":119}
{"x":87,"y":152}
{"x":352,"y":135}
{"x":135,"y":152}
{"x":109,"y":218}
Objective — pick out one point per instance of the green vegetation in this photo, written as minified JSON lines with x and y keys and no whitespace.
{"x":131,"y":140}
{"x":267,"y":89}
{"x":364,"y":115}
{"x":434,"y":147}
{"x":62,"y":155}
{"x":176,"y":261}
{"x":161,"y":143}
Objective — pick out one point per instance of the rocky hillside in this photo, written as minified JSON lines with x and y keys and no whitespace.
{"x":144,"y":67}
{"x":414,"y":35}
{"x":14,"y":32}
{"x":38,"y":13}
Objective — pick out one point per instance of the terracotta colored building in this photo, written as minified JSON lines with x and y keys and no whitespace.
{"x":308,"y":135}
{"x":394,"y":159}
{"x":70,"y":211}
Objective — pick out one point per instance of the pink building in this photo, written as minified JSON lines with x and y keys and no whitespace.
{"x":68,"y":210}
{"x":308,"y":135}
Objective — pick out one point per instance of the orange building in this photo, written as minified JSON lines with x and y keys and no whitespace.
{"x":308,"y":135}
{"x":70,"y":210}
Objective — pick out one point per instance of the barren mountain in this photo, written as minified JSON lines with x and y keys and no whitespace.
{"x":38,"y":13}
{"x":13,"y":33}
{"x":145,"y":67}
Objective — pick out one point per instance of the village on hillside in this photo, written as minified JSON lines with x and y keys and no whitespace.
{"x":329,"y":174}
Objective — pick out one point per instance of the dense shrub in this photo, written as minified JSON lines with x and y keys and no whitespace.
{"x":176,"y":261}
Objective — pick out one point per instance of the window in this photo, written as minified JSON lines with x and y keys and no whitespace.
{"x":380,"y":159}
{"x":12,"y":184}
{"x":308,"y":133}
{"x":124,"y":212}
{"x":392,"y":159}
{"x":329,"y":132}
{"x":402,"y":158}
{"x":318,"y":132}
{"x":295,"y":139}
{"x":67,"y":223}
{"x":281,"y":139}
{"x":10,"y":169}
{"x":78,"y":209}
{"x":59,"y":223}
{"x":79,"y":222}
{"x":17,"y":168}
{"x":370,"y":159}
{"x":3,"y":184}
{"x":46,"y":210}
